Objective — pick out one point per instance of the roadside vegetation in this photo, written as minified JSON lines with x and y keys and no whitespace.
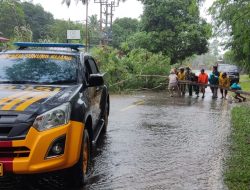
{"x":132,"y":70}
{"x":245,"y":82}
{"x":231,"y":19}
{"x":237,"y":174}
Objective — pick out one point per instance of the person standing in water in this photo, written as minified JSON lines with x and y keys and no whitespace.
{"x":181,"y":76}
{"x":214,"y":81}
{"x":173,"y":83}
{"x":224,"y":83}
{"x":203,"y":79}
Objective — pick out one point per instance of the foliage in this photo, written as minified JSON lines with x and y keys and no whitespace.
{"x":174,"y":28}
{"x":125,"y":71}
{"x":122,"y":29}
{"x":11,"y":15}
{"x":140,"y":40}
{"x":234,"y":16}
{"x":38,"y":19}
{"x":23,"y":33}
{"x":229,"y":57}
{"x":237,"y":175}
{"x":29,"y":22}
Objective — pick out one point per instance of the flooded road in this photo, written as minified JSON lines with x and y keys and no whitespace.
{"x":157,"y":142}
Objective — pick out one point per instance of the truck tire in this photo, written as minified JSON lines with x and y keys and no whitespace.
{"x":78,"y":173}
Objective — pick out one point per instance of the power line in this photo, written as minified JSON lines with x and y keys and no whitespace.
{"x":107,"y":9}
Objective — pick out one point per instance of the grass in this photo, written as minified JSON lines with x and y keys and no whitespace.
{"x":245,"y":82}
{"x":237,"y":174}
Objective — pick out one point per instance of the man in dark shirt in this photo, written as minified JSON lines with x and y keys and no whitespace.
{"x":214,"y":80}
{"x":189,"y":76}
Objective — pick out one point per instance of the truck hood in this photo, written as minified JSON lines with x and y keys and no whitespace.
{"x":34,"y":98}
{"x":20,"y":104}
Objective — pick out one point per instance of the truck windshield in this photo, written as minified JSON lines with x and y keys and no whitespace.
{"x":37,"y":68}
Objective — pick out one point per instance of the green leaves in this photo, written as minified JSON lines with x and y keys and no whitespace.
{"x":123,"y":28}
{"x":234,"y":16}
{"x":124,"y":71}
{"x":175,"y":28}
{"x":9,"y":21}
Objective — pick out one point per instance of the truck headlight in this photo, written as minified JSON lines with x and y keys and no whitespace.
{"x":53,"y":118}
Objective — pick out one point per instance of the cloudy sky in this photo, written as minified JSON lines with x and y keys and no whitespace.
{"x":131,"y":8}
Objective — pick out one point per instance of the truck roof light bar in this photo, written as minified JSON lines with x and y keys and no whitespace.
{"x":24,"y":45}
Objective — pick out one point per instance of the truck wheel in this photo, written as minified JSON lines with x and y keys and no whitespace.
{"x":86,"y":153}
{"x":78,"y":173}
{"x":106,"y":120}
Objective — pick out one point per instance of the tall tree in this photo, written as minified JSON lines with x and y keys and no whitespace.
{"x":175,"y":28}
{"x":123,"y":28}
{"x":234,"y":17}
{"x":11,"y":16}
{"x":38,"y":19}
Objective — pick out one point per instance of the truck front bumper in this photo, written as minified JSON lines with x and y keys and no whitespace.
{"x":28,"y":156}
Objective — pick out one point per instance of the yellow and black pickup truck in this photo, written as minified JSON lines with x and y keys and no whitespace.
{"x":53,"y":106}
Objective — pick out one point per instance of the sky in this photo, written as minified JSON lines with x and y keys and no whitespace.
{"x":131,"y":8}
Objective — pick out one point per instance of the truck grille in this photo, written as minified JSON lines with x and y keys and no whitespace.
{"x":14,"y":152}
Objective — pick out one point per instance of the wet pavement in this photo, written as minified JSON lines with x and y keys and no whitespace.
{"x":157,"y":142}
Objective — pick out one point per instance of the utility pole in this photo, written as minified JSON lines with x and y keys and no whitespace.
{"x":107,"y":9}
{"x":112,"y":9}
{"x":101,"y":2}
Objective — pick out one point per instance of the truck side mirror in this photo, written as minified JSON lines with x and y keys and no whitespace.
{"x":96,"y":80}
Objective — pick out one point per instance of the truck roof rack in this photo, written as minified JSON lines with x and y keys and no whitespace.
{"x":24,"y":45}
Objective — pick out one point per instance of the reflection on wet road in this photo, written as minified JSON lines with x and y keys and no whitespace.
{"x":157,"y":142}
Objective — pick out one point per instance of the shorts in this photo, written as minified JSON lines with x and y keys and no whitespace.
{"x":172,"y":86}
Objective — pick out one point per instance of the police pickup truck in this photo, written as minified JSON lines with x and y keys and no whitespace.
{"x":53,"y":107}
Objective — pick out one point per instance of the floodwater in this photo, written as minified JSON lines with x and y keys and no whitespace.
{"x":155,"y":142}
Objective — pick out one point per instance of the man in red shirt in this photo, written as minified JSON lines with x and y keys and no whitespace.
{"x":203,"y":79}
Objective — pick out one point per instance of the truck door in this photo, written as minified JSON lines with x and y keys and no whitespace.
{"x":95,"y":92}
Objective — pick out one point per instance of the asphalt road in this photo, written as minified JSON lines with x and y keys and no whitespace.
{"x":157,"y":142}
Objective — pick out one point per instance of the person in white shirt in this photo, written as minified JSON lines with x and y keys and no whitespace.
{"x":173,"y":83}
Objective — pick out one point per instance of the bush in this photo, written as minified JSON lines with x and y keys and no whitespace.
{"x":124,"y":71}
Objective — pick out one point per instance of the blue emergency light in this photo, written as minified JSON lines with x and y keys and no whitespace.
{"x":23,"y":45}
